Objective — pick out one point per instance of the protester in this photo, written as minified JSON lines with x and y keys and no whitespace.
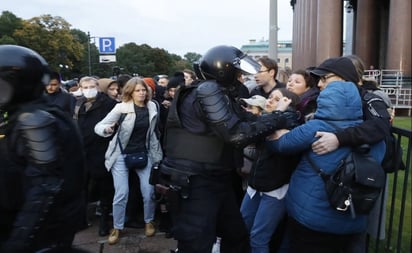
{"x":266,"y":77}
{"x":91,"y":109}
{"x":303,"y":84}
{"x":314,"y":225}
{"x":376,"y":123}
{"x":136,"y":133}
{"x":56,"y":95}
{"x":263,"y":207}
{"x":110,"y":87}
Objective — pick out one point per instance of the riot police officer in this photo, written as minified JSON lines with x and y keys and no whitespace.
{"x":204,"y":127}
{"x":41,"y":168}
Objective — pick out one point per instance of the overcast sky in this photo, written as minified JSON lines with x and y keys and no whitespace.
{"x":178,"y":26}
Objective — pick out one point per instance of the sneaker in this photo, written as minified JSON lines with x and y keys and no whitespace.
{"x":149,"y":229}
{"x":114,"y":236}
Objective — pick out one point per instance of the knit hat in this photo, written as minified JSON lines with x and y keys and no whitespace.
{"x":340,"y":66}
{"x":176,"y":81}
{"x":150,"y":82}
{"x":255,"y":100}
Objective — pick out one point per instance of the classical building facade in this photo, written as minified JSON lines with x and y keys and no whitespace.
{"x":380,"y":32}
{"x":257,"y":49}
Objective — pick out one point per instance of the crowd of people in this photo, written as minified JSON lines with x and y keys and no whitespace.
{"x":228,"y":159}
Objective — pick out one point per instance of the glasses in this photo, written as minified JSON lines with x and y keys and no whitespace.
{"x":262,"y":71}
{"x":326,"y":77}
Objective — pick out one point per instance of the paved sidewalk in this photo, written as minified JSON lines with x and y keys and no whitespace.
{"x":131,"y":241}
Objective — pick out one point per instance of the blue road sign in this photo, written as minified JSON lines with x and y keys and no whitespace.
{"x":106,"y":45}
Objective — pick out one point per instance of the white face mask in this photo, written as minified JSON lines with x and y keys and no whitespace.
{"x":90,"y":93}
{"x":77,"y":93}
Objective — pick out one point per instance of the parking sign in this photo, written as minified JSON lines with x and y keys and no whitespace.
{"x":106,"y":45}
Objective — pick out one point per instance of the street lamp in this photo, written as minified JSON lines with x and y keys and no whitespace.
{"x":89,"y":56}
{"x":63,"y":68}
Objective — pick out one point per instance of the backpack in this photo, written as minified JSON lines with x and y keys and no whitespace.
{"x":356,"y":183}
{"x":392,"y":160}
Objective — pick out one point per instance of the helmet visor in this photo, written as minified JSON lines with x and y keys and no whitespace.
{"x":248,"y":65}
{"x":6,"y":92}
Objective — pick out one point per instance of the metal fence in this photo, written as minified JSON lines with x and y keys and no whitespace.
{"x":395,"y":84}
{"x":394,"y":223}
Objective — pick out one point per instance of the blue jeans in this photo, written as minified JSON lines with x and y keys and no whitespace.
{"x":121,"y":192}
{"x":262,"y":215}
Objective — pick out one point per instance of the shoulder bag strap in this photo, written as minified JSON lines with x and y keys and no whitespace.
{"x":318,"y":170}
{"x":119,"y":123}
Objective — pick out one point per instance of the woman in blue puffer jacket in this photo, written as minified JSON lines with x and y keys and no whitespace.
{"x":314,"y":225}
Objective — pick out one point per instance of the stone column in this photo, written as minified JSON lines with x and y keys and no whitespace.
{"x":366,"y":40}
{"x":312,"y":33}
{"x":399,"y":36}
{"x":329,"y":29}
{"x":305,"y":34}
{"x":297,"y":52}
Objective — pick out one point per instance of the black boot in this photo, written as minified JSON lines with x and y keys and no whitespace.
{"x":103,"y":224}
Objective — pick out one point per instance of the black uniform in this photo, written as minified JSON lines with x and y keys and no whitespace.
{"x":203,"y":130}
{"x":200,"y":149}
{"x":42,"y":162}
{"x":47,"y":179}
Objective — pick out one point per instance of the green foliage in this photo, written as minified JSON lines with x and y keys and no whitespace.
{"x":9,"y":23}
{"x":59,"y":45}
{"x":192,"y":57}
{"x":143,"y":60}
{"x":7,"y":40}
{"x":51,"y":37}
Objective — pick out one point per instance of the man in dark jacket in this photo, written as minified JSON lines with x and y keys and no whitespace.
{"x":89,"y":110}
{"x":55,"y":94}
{"x":42,"y":182}
{"x":266,"y":78}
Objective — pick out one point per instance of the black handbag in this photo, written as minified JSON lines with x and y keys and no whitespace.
{"x":133,"y":161}
{"x":355,"y":184}
{"x":136,"y":160}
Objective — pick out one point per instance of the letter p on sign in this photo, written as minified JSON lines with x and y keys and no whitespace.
{"x":106,"y":45}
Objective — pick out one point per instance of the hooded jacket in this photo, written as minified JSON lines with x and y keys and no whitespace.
{"x":339,"y":106}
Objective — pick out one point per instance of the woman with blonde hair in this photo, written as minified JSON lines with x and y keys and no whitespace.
{"x":137,"y":132}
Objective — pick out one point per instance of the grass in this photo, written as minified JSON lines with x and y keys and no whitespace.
{"x":399,"y":180}
{"x":403,"y":122}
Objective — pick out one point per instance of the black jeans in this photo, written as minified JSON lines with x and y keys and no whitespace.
{"x":210,"y":210}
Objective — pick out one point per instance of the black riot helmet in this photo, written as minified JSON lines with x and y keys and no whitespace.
{"x":23,"y":75}
{"x":224,"y":63}
{"x":196,"y":68}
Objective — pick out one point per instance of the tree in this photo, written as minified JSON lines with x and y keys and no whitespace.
{"x":143,"y":60}
{"x":81,"y":67}
{"x":7,"y":40}
{"x":9,"y":23}
{"x":61,"y":46}
{"x":192,"y":57}
{"x":51,"y":37}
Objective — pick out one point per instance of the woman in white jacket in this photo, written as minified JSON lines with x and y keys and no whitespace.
{"x":137,"y":132}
